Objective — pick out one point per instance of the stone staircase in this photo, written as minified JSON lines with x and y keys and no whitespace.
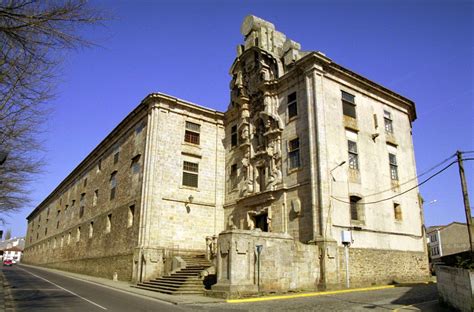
{"x":186,"y":281}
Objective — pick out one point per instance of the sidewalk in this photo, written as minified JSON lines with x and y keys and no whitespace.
{"x":126,"y":287}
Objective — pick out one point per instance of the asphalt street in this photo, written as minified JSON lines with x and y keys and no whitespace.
{"x":38,"y":290}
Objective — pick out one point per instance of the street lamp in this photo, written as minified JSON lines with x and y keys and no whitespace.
{"x":340,"y":164}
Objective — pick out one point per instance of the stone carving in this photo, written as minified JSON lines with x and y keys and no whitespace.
{"x":260,"y":126}
{"x":241,"y":246}
{"x":230,"y":223}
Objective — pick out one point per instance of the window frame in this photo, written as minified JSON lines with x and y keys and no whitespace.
{"x":113,"y":185}
{"x":392,"y":160}
{"x":189,"y":171}
{"x":353,"y":155}
{"x":388,"y":122}
{"x":354,"y":205}
{"x":234,"y":136}
{"x":292,"y":105}
{"x":348,"y":105}
{"x":192,"y":133}
{"x":294,"y":153}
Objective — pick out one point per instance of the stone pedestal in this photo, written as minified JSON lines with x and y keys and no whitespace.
{"x":285,"y":264}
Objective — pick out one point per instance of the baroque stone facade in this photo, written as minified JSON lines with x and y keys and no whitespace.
{"x":307,"y":150}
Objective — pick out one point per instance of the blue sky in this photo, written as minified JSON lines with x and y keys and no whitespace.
{"x":420,"y":49}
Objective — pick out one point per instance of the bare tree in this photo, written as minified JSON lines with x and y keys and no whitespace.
{"x":33,"y":34}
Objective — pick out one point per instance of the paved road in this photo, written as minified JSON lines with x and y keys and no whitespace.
{"x":402,"y":299}
{"x":39,"y":290}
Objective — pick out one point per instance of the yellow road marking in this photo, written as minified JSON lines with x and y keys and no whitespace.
{"x":312,"y":294}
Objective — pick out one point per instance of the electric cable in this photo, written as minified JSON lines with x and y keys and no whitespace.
{"x":416,"y":177}
{"x":419,"y":184}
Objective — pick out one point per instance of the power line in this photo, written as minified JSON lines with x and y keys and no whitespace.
{"x":416,"y":177}
{"x":419,"y":184}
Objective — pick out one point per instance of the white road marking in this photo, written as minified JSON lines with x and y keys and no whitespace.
{"x":67,"y":290}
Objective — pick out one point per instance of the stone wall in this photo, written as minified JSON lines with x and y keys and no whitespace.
{"x":456,"y":287}
{"x":84,"y":225}
{"x":375,"y":267}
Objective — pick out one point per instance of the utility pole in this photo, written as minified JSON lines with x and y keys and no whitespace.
{"x":465,"y":196}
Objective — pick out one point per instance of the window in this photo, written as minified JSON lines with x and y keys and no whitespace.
{"x":139,"y":128}
{"x":292,"y":106}
{"x":353,"y":156}
{"x":354,"y":203}
{"x":82,"y":204}
{"x":73,"y":203}
{"x":113,"y":184}
{"x":45,"y":231}
{"x":78,"y":234}
{"x":95,"y":198}
{"x":65,"y":208}
{"x":387,"y":117}
{"x":393,"y":166}
{"x":57,"y":225}
{"x":397,"y":211}
{"x":233,"y":176}
{"x":108,"y":223}
{"x":348,"y":105}
{"x":91,"y":229}
{"x":294,"y":153}
{"x":136,"y":164}
{"x":233,"y":136}
{"x":131,"y":214}
{"x":191,"y":135}
{"x":99,"y":166}
{"x":116,"y":153}
{"x":85,"y":182}
{"x":190,"y":174}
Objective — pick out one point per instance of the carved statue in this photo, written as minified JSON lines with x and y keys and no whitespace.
{"x":230,"y":223}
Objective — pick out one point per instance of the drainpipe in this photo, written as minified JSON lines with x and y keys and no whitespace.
{"x":316,"y":190}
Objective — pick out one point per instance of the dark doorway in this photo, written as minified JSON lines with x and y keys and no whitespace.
{"x":261,"y":222}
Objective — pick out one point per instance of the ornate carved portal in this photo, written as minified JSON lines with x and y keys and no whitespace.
{"x":254,"y":96}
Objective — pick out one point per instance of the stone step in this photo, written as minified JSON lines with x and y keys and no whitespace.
{"x":170,"y":290}
{"x":172,"y":282}
{"x":173,"y":286}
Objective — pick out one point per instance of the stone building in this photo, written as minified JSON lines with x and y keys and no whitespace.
{"x":447,"y":240}
{"x":307,"y":150}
